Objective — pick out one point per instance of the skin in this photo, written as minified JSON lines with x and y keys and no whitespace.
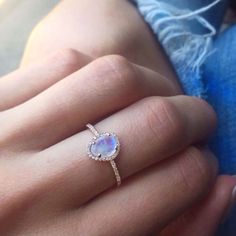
{"x":106,"y":32}
{"x":135,"y":42}
{"x":43,"y":149}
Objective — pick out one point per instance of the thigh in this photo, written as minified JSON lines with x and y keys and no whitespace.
{"x":219,"y":75}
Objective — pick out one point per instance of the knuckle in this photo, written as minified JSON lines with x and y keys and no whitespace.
{"x":207,"y":107}
{"x":163,"y":119}
{"x":69,"y":59}
{"x":119,"y":72}
{"x":195,"y":170}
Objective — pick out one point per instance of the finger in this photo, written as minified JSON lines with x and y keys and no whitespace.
{"x":205,"y":218}
{"x":102,"y":87}
{"x":149,"y":131}
{"x":29,"y":81}
{"x":149,"y":201}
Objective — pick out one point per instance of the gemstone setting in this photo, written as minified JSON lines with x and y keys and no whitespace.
{"x":104,"y":147}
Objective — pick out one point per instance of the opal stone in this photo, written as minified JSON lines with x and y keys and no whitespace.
{"x":105,"y":146}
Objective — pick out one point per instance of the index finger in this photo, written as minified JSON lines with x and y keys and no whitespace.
{"x":25,"y":83}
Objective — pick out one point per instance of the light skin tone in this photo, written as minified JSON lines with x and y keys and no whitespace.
{"x":136,"y":85}
{"x":50,"y":185}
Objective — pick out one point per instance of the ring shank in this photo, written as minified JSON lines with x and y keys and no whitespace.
{"x":93,"y":130}
{"x":116,"y":172}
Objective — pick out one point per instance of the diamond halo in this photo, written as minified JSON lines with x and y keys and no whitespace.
{"x":104,"y":147}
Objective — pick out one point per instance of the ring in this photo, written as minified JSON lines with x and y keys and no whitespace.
{"x":104,"y":147}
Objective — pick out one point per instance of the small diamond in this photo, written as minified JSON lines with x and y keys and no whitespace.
{"x":105,"y":147}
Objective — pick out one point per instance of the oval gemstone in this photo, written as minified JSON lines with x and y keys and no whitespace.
{"x":105,"y":146}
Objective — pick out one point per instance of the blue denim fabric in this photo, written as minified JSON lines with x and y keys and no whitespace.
{"x":219,"y":73}
{"x":185,"y":35}
{"x":205,"y":63}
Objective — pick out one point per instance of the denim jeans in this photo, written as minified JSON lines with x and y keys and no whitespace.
{"x":219,"y":74}
{"x":204,"y":60}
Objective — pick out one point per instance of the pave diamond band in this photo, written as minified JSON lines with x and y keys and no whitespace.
{"x":104,"y":147}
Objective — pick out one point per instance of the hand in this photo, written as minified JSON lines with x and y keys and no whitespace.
{"x":114,"y":26}
{"x":49,"y":186}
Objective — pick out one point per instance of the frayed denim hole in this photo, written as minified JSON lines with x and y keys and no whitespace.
{"x":186,"y":49}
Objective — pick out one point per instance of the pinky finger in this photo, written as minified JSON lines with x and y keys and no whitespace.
{"x":149,"y":201}
{"x":205,"y":218}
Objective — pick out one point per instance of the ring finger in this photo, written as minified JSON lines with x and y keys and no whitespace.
{"x":150,"y":131}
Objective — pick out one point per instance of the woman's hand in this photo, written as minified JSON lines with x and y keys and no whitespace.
{"x":114,"y":26}
{"x":49,"y":186}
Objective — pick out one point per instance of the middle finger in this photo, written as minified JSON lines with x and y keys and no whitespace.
{"x":104,"y":86}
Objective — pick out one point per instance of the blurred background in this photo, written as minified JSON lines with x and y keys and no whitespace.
{"x":17,"y":19}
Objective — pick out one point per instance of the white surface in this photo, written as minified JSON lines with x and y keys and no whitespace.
{"x":17,"y":19}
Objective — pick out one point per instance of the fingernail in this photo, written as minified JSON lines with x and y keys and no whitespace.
{"x":234,"y":197}
{"x":232,"y":205}
{"x":233,"y":202}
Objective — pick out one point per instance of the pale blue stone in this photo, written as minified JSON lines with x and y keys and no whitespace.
{"x":105,"y":145}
